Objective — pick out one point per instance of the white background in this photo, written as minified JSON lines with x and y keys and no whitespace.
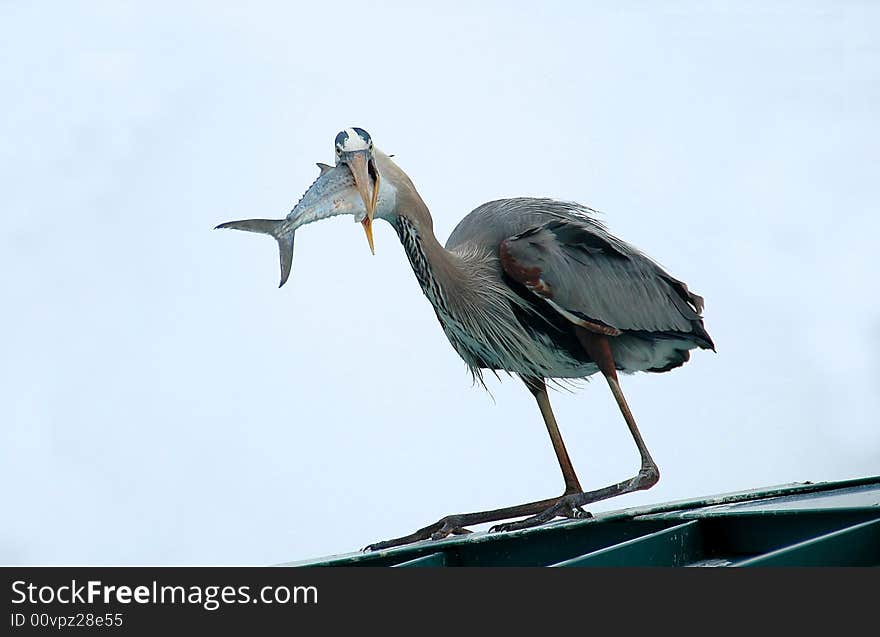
{"x":161,"y":401}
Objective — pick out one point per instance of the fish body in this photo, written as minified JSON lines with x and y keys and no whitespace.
{"x":332,"y":193}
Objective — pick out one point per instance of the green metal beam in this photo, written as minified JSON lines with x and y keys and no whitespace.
{"x":856,"y":545}
{"x":675,"y":546}
{"x":433,"y":559}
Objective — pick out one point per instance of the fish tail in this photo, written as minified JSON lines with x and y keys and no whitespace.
{"x":276,"y":228}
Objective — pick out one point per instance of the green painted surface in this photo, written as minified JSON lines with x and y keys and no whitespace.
{"x":831,"y":523}
{"x":675,"y":546}
{"x":856,"y":545}
{"x":433,"y":559}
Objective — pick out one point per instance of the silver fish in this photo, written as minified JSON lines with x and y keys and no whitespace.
{"x":333,"y":193}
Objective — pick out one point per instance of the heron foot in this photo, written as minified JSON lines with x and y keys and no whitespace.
{"x":540,"y":512}
{"x":449,"y":525}
{"x":544,"y":510}
{"x":567,"y":506}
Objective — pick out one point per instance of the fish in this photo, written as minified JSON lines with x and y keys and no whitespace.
{"x":332,"y":193}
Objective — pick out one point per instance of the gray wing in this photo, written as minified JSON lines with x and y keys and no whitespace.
{"x":560,"y":253}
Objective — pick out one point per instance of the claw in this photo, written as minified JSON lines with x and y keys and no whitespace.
{"x":575,"y":513}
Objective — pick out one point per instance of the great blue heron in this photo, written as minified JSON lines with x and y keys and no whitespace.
{"x":534,"y":287}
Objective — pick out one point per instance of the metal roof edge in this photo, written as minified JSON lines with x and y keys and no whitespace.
{"x":752,"y":495}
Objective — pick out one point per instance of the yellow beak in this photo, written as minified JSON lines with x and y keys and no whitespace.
{"x":369,"y":192}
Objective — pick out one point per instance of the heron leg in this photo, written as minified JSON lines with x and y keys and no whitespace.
{"x":599,"y":349}
{"x":539,"y":391}
{"x":570,"y":503}
{"x":455,"y":524}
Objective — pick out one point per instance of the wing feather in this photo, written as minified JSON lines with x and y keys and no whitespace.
{"x":560,"y":252}
{"x":598,"y":280}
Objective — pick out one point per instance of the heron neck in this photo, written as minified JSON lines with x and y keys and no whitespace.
{"x":434,"y":266}
{"x":438,"y":270}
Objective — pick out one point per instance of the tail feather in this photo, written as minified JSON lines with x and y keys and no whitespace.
{"x":274,"y":228}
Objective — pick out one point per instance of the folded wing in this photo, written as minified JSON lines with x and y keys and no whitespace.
{"x":599,"y":282}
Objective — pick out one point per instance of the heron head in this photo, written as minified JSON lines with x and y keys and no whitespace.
{"x":354,"y":148}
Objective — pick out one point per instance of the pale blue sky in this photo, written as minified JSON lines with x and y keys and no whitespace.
{"x":163,"y":402}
